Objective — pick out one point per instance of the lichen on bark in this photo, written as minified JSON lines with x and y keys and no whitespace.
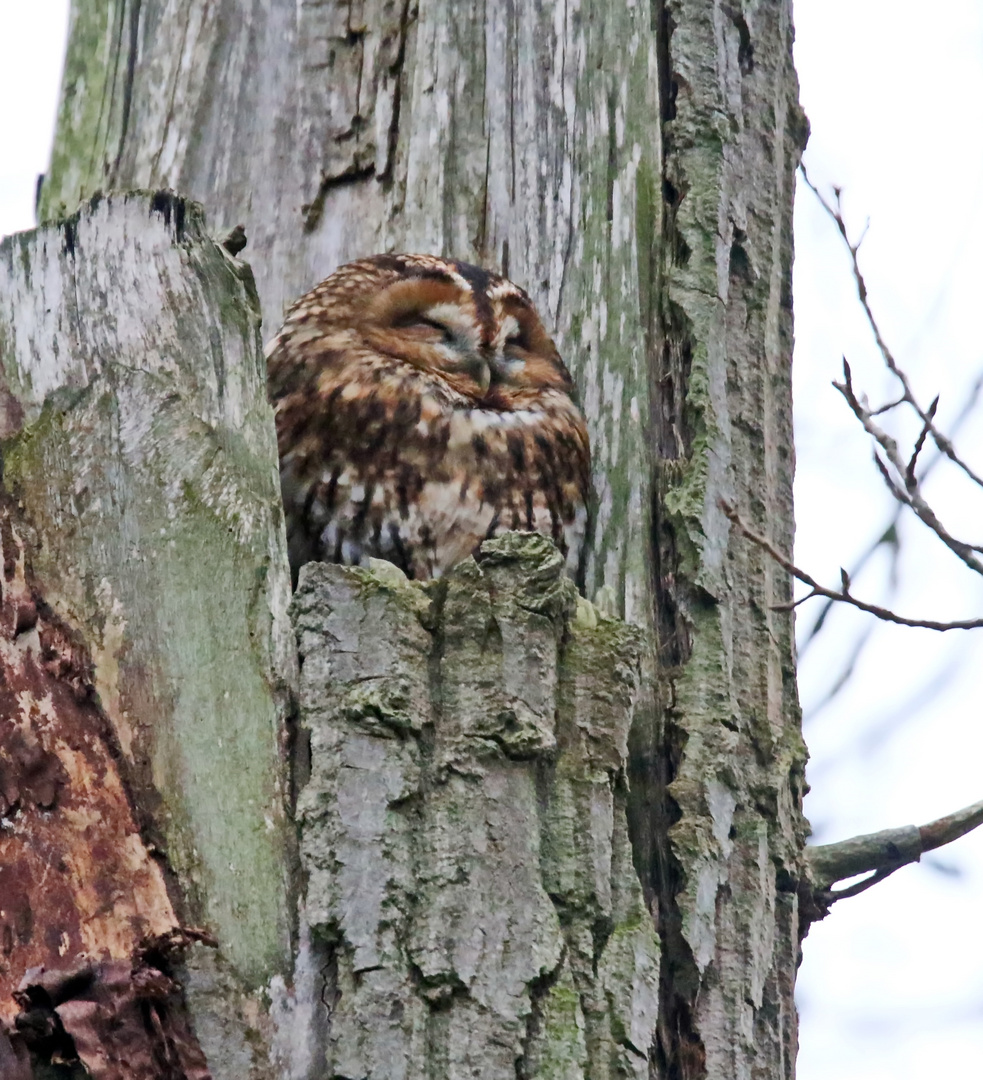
{"x":469,"y":875}
{"x":139,"y":448}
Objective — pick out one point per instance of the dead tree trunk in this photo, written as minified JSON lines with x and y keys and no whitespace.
{"x":146,"y":595}
{"x":632,"y":167}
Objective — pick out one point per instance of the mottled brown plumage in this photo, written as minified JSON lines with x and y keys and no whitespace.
{"x":421,"y":408}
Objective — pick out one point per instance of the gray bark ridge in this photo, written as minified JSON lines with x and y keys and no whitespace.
{"x":140,"y":446}
{"x":471,"y":900}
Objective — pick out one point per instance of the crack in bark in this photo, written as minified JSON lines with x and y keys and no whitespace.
{"x":172,"y":96}
{"x":314,"y":210}
{"x":612,"y":158}
{"x":745,"y":49}
{"x":539,"y":990}
{"x":679,"y":1053}
{"x":108,"y":93}
{"x":168,"y":205}
{"x":128,"y":81}
{"x":396,"y":70}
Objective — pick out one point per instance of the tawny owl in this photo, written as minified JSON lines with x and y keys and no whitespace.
{"x":422,"y":408}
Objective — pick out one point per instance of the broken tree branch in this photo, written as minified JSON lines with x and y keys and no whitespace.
{"x":883,"y":852}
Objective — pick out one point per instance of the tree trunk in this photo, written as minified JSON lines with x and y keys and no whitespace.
{"x":144,"y":522}
{"x":632,"y":166}
{"x":471,"y":899}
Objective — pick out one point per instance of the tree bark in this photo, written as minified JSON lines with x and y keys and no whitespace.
{"x":143,"y":505}
{"x":632,"y":166}
{"x":471,"y":899}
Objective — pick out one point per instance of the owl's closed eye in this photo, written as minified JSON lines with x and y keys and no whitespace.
{"x":421,"y":408}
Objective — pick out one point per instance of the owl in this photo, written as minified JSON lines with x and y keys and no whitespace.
{"x":421,"y":408}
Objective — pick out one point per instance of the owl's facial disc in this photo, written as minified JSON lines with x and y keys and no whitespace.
{"x":523,"y":354}
{"x":430,"y":323}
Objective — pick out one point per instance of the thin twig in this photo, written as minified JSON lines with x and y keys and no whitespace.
{"x":889,"y":535}
{"x":842,"y":595}
{"x":890,"y":538}
{"x":888,"y":407}
{"x":911,"y":495}
{"x":942,"y":441}
{"x":909,"y":476}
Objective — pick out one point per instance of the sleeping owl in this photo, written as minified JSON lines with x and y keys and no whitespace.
{"x":421,"y":408}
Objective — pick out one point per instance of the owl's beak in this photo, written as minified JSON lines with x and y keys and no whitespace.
{"x":476,"y":367}
{"x":504,"y":370}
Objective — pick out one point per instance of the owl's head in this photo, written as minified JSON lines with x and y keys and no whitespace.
{"x":473,"y":329}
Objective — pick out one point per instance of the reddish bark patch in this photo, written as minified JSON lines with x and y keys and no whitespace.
{"x":78,"y":888}
{"x":123,"y":1019}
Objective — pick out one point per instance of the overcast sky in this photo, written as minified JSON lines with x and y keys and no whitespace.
{"x":891,"y":984}
{"x":891,"y":987}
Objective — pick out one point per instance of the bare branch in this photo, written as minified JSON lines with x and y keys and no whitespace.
{"x":912,"y":495}
{"x":942,"y":441}
{"x":889,"y":536}
{"x":909,"y":475}
{"x":888,"y":407}
{"x":883,"y":852}
{"x":841,"y":595}
{"x":944,"y":830}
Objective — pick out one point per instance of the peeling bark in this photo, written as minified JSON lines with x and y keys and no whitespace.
{"x":143,"y":788}
{"x":75,"y":877}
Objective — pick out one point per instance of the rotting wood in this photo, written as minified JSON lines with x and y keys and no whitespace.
{"x":71,"y":855}
{"x":140,"y":457}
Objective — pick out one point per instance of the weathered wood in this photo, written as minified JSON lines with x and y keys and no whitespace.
{"x":732,"y":750}
{"x":632,"y":166}
{"x":139,"y":447}
{"x":523,"y":138}
{"x":471,"y":900}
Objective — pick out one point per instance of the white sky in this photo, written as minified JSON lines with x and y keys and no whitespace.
{"x":891,"y":986}
{"x":32,"y":46}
